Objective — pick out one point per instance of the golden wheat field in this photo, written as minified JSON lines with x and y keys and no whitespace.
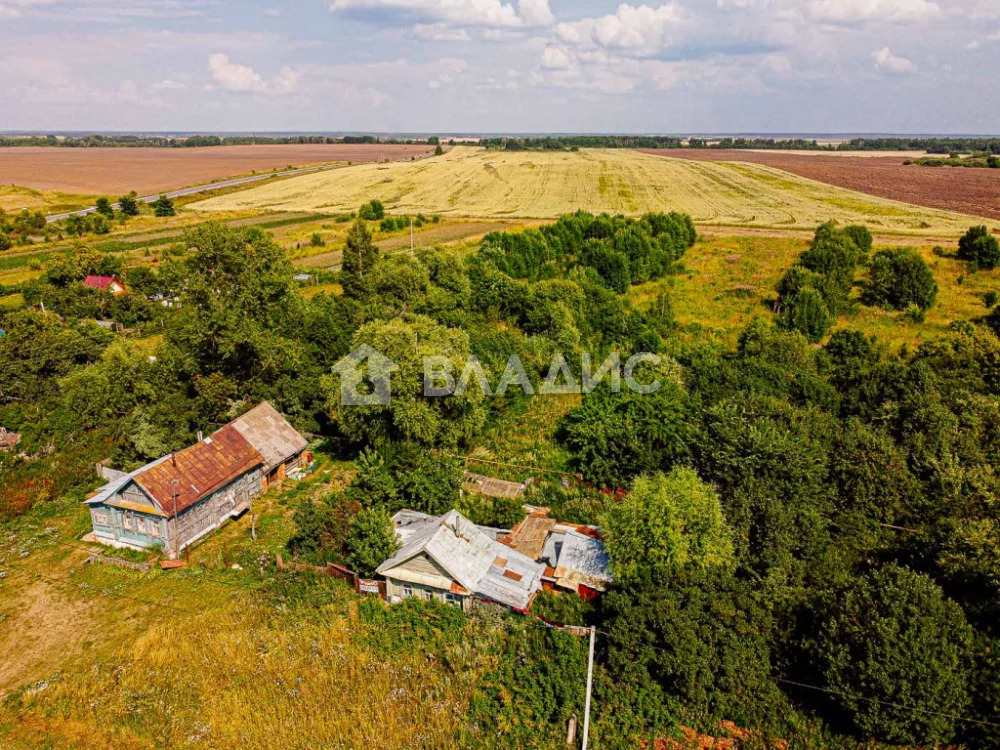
{"x":475,"y":182}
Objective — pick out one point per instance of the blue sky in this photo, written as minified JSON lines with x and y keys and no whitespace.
{"x":916,"y":66}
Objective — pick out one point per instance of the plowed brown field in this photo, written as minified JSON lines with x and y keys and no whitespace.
{"x":966,"y":190}
{"x":93,"y":171}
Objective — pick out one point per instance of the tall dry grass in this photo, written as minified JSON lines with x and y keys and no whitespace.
{"x":244,"y":676}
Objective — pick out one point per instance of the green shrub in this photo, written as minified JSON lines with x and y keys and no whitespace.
{"x":900,"y":278}
{"x":978,"y":246}
{"x":808,"y":314}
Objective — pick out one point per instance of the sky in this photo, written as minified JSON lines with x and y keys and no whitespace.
{"x":464,"y":66}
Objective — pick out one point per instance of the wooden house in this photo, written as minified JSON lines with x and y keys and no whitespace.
{"x":178,"y":499}
{"x":282,"y":447}
{"x":457,"y":562}
{"x":105,"y":284}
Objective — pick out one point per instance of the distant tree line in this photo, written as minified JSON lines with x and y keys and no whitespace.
{"x":199,"y":141}
{"x":566,"y":143}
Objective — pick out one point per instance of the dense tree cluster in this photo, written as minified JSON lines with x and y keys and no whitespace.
{"x":817,"y":289}
{"x":803,"y":537}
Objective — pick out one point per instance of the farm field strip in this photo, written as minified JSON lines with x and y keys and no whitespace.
{"x":95,"y":171}
{"x":883,"y":174}
{"x":474,"y":182}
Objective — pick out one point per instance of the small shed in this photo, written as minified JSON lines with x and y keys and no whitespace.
{"x":280,"y":444}
{"x":478,"y":484}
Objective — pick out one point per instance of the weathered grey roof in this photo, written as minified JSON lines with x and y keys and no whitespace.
{"x":582,"y":560}
{"x":469,"y":555}
{"x":269,"y":432}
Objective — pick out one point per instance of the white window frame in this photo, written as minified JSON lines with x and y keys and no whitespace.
{"x":127,"y":522}
{"x":408,"y":591}
{"x":101,"y":517}
{"x":452,"y":600}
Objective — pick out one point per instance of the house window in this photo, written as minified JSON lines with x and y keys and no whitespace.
{"x":453,"y":600}
{"x":127,"y":523}
{"x":140,"y":525}
{"x":101,"y":517}
{"x":154,"y":528}
{"x":407,"y":591}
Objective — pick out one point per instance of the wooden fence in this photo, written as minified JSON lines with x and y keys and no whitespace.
{"x":97,"y":557}
{"x":352,"y":579}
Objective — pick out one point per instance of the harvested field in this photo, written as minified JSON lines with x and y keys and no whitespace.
{"x":148,"y":170}
{"x":491,"y":184}
{"x":969,"y":191}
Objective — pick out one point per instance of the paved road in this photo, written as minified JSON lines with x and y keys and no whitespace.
{"x":205,"y":188}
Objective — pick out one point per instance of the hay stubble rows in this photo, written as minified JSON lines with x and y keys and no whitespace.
{"x":473,"y":182}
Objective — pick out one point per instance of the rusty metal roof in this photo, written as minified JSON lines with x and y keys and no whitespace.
{"x":187,"y":477}
{"x":269,"y":432}
{"x":529,"y":535}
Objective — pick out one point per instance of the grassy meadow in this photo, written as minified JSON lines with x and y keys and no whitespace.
{"x":247,"y":657}
{"x":474,"y":182}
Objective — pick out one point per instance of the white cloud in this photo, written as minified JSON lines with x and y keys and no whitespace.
{"x":447,"y":71}
{"x":556,"y":58}
{"x":636,"y":30}
{"x":890,"y":64}
{"x":169,"y":85}
{"x":536,"y":12}
{"x":439,"y":32}
{"x":858,"y":12}
{"x":454,"y":13}
{"x":453,"y":20}
{"x":234,"y":76}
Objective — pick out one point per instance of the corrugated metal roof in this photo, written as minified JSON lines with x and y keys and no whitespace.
{"x":271,"y":434}
{"x":582,"y":560}
{"x":469,"y":555}
{"x":184,"y":478}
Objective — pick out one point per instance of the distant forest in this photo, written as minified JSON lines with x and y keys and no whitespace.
{"x":568,"y":143}
{"x":196,"y":141}
{"x":958,"y":145}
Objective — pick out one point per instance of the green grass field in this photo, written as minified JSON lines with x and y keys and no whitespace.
{"x":731,"y":280}
{"x":474,"y":182}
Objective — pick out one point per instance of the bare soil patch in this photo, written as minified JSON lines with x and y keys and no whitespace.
{"x":968,"y":191}
{"x":149,"y":170}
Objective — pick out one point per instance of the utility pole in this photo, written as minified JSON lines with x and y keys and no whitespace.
{"x":590,"y":685}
